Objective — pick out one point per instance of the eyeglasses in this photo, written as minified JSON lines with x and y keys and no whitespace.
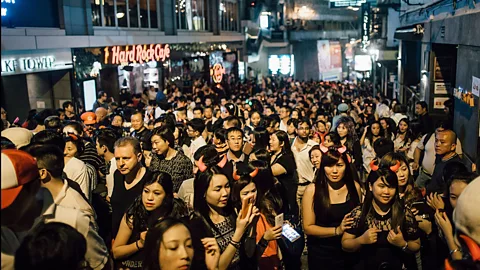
{"x":303,"y":128}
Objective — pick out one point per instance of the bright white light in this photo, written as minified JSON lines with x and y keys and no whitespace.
{"x":273,"y":64}
{"x":264,"y":21}
{"x":4,"y":12}
{"x":285,"y":64}
{"x":363,"y":62}
{"x":120,"y":15}
{"x":375,"y":53}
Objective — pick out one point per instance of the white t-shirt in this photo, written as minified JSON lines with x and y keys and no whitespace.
{"x":76,"y":170}
{"x":109,"y":177}
{"x":302,"y":159}
{"x":428,"y":163}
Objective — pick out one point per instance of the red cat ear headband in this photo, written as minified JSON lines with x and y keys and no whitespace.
{"x":374,"y":166}
{"x":341,"y":150}
{"x":73,"y":136}
{"x":202,"y":167}
{"x":236,"y":177}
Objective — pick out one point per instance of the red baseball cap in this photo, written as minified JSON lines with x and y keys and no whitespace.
{"x":18,"y":169}
{"x":89,"y":118}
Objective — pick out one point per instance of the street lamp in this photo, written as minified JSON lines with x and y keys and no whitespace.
{"x":374,"y":55}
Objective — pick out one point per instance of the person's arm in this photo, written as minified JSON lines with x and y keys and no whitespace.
{"x":351,"y":243}
{"x":278,"y":169}
{"x":308,"y":215}
{"x":417,"y":154}
{"x":120,"y":248}
{"x":362,"y":140}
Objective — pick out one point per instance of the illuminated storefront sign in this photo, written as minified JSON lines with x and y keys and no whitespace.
{"x":346,"y":3}
{"x":122,"y":55}
{"x":365,"y":25}
{"x":38,"y":61}
{"x":5,"y":5}
{"x":281,"y":63}
{"x":217,"y":72}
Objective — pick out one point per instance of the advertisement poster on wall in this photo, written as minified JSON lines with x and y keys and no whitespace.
{"x":329,"y":54}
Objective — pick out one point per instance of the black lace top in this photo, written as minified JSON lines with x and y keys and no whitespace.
{"x":382,"y":253}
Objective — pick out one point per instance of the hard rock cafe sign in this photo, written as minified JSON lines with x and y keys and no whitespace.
{"x":123,"y":55}
{"x":217,"y":72}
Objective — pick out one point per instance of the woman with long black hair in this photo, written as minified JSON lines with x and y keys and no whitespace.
{"x":325,"y":209}
{"x":345,"y":128}
{"x":215,"y":216}
{"x":382,"y":227}
{"x":169,"y":245}
{"x":155,"y":202}
{"x":403,"y":137}
{"x":371,"y":133}
{"x":260,"y":243}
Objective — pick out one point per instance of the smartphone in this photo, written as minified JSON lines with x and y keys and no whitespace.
{"x":422,"y":207}
{"x":279,"y":220}
{"x":246,"y":204}
{"x":290,"y":233}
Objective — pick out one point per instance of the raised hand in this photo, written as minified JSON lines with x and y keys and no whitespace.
{"x":212,"y":253}
{"x":396,"y":239}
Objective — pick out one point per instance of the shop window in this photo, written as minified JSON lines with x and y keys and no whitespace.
{"x":229,"y":15}
{"x":126,"y":13}
{"x":191,"y":15}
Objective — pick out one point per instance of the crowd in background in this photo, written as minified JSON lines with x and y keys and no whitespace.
{"x":198,"y":179}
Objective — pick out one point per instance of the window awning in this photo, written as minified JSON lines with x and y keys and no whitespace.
{"x":412,"y":32}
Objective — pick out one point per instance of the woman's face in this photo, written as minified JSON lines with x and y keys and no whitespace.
{"x":248,"y":190}
{"x":294,"y":115}
{"x":70,"y":149}
{"x":382,"y":193}
{"x":403,"y":174}
{"x":316,"y":158}
{"x":369,"y":110}
{"x":275,"y":144}
{"x":152,"y":196}
{"x":218,"y":191}
{"x":456,"y":189}
{"x":176,"y":248}
{"x":291,"y":129}
{"x":342,"y":130}
{"x":327,"y":141}
{"x":255,"y":119}
{"x":159,"y":146}
{"x":336,"y":172}
{"x":321,"y":128}
{"x":176,"y":134}
{"x":402,"y":127}
{"x":376,"y":129}
{"x":384,"y":124}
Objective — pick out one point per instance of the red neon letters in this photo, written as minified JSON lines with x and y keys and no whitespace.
{"x":118,"y":55}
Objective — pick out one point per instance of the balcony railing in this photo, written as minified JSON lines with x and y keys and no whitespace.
{"x":316,"y":34}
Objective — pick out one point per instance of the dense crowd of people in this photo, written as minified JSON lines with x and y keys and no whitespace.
{"x":252,"y":177}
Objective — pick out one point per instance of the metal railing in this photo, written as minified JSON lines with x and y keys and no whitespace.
{"x":412,"y":97}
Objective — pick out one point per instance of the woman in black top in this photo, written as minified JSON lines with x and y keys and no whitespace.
{"x":326,"y":206}
{"x":155,"y":202}
{"x":382,"y":227}
{"x":284,"y":168}
{"x":345,"y":128}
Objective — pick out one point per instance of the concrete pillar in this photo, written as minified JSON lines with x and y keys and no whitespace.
{"x":167,"y":17}
{"x":214,"y":16}
{"x":75,"y":17}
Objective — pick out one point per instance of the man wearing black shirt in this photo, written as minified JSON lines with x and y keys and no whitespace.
{"x":140,"y":131}
{"x":69,"y":111}
{"x":424,"y":119}
{"x":128,"y":178}
{"x":445,"y":145}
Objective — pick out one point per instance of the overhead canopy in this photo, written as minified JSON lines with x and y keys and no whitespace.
{"x":411,"y":32}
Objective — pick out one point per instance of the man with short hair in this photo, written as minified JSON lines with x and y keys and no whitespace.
{"x":232,"y":121}
{"x":139,"y":130}
{"x":25,"y":205}
{"x":198,"y":112}
{"x":285,"y":112}
{"x":235,"y":143}
{"x":181,"y":115}
{"x":195,"y":128}
{"x":101,"y":115}
{"x":101,"y":101}
{"x":445,"y":146}
{"x":424,"y":119}
{"x":301,"y":147}
{"x":128,"y":178}
{"x":69,"y":111}
{"x":105,"y":142}
{"x":427,"y":146}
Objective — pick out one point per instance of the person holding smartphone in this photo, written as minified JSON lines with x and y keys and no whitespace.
{"x":382,"y":227}
{"x":325,"y":209}
{"x":260,"y":244}
{"x":215,"y":216}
